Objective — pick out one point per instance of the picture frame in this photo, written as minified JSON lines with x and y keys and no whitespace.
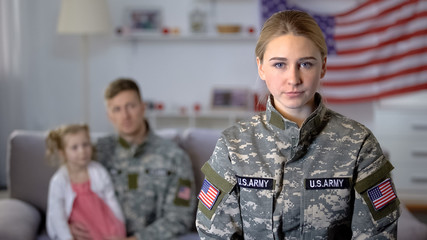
{"x":227,"y":98}
{"x":144,"y":20}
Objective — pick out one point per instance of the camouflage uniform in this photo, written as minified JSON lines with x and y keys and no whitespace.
{"x":154,"y":183}
{"x":277,"y":181}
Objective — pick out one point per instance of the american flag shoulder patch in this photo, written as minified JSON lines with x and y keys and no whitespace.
{"x":382,"y":194}
{"x":184,"y":193}
{"x":208,"y":194}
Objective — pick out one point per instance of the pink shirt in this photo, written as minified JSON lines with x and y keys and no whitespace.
{"x":92,"y":212}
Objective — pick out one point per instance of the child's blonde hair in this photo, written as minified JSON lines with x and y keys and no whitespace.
{"x":55,"y":141}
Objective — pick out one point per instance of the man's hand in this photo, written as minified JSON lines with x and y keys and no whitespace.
{"x":79,"y":232}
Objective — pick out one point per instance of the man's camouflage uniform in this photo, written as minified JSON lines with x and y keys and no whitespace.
{"x":154,"y":183}
{"x":277,"y":181}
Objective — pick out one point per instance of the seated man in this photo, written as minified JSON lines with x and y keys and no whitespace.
{"x":153,"y":177}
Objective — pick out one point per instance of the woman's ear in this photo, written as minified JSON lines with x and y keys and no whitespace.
{"x":322,"y":74}
{"x":260,"y":69}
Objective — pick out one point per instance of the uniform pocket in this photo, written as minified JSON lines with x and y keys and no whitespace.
{"x":257,"y":212}
{"x":325,"y":208}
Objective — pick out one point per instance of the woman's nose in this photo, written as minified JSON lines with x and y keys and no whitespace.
{"x":294,"y":77}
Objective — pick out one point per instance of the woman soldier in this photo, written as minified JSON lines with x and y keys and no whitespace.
{"x":298,"y":170}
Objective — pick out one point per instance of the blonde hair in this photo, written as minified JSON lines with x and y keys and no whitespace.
{"x":55,"y":141}
{"x":290,"y":21}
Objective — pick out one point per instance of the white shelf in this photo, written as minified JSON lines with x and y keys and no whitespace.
{"x":401,"y":130}
{"x":190,"y":37}
{"x":211,"y":119}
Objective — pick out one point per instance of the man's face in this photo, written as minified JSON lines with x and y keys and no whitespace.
{"x":126,"y":112}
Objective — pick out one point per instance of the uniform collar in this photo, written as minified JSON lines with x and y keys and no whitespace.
{"x":126,"y":145}
{"x":314,"y":121}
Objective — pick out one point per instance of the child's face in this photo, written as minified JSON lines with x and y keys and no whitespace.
{"x":292,"y":69}
{"x":77,"y":149}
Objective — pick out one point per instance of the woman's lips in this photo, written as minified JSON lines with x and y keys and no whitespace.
{"x":294,"y":93}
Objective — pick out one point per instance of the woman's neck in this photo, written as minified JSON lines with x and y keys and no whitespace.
{"x":298,"y":115}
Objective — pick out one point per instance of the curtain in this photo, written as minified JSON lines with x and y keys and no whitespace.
{"x":10,"y":64}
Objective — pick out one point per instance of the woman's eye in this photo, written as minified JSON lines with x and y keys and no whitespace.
{"x":279,"y":65}
{"x":306,"y":65}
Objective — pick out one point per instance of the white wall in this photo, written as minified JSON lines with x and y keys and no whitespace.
{"x":177,"y":73}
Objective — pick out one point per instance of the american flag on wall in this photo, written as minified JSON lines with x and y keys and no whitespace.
{"x":375,"y":50}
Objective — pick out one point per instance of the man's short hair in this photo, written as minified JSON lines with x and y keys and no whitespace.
{"x":119,"y":85}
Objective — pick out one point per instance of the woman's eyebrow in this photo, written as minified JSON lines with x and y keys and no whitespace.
{"x":278,"y":58}
{"x":285,"y":59}
{"x":307,"y":58}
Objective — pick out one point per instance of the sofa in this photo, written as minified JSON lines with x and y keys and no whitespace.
{"x":22,"y":214}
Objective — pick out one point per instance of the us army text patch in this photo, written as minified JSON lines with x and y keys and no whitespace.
{"x":327,"y":183}
{"x":251,"y":182}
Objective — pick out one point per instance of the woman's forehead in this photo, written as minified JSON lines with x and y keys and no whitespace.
{"x":290,"y":45}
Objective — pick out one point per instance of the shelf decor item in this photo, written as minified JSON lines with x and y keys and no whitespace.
{"x":231,"y":99}
{"x":143,"y":20}
{"x":198,"y":21}
{"x":228,"y":28}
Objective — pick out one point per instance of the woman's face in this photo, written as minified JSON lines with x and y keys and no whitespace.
{"x":292,"y":69}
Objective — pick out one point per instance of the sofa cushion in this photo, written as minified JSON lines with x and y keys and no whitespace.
{"x":169,"y":133}
{"x":18,"y":220}
{"x":28,"y":171}
{"x":199,"y":143}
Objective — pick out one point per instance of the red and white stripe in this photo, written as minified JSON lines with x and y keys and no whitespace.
{"x":381,"y":50}
{"x":208,"y":198}
{"x":388,"y":195}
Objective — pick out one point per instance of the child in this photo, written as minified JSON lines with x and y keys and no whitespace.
{"x":81,"y":191}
